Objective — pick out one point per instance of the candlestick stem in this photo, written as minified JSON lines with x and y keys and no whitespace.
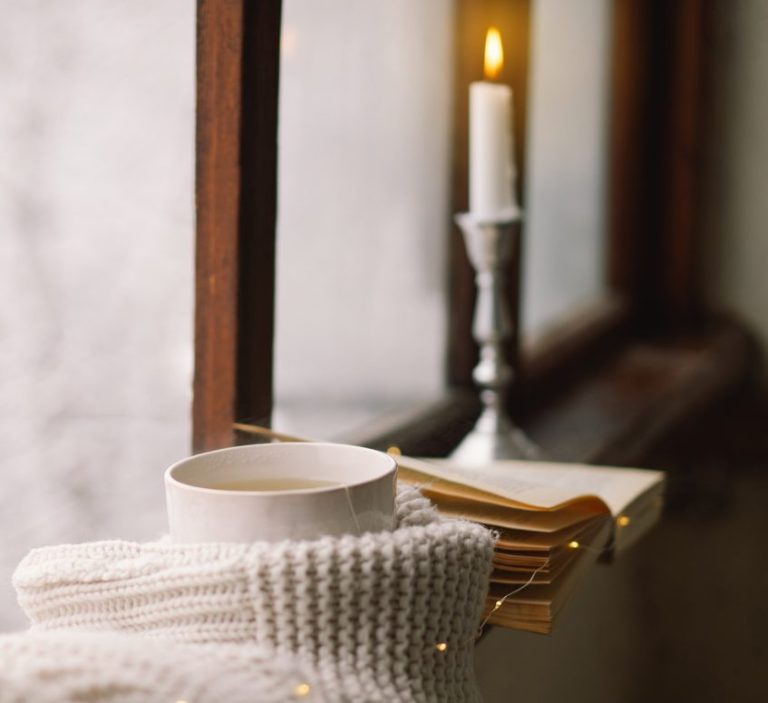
{"x":493,"y":249}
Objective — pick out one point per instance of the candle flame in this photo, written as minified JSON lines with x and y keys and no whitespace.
{"x":494,"y":53}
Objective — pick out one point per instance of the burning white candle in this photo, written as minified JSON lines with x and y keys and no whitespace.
{"x":491,"y":165}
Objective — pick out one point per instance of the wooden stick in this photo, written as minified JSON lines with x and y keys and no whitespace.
{"x":266,"y":432}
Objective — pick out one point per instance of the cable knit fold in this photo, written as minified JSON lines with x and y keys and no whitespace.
{"x":364,"y":612}
{"x":76,"y":667}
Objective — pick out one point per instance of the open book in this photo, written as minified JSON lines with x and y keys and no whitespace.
{"x":553,"y":521}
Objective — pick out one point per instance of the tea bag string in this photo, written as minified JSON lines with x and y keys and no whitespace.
{"x":352,"y":508}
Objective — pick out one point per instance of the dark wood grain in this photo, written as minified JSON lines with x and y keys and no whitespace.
{"x":629,"y":164}
{"x":258,"y":210}
{"x":219,"y":78}
{"x":617,"y":415}
{"x":237,"y":77}
{"x":684,"y":160}
{"x":656,"y":141}
{"x":571,"y":350}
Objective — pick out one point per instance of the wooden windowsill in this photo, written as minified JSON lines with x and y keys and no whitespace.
{"x":640,"y":395}
{"x":615,"y":414}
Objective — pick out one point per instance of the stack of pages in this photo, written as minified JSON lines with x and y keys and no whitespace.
{"x":553,"y":520}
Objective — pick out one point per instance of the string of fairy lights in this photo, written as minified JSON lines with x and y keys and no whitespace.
{"x":303,"y":689}
{"x":620,"y":521}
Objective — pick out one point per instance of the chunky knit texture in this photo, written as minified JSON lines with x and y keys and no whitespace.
{"x":67,"y":667}
{"x":365,"y":613}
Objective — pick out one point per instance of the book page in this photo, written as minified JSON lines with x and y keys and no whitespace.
{"x":516,"y":540}
{"x":541,"y":484}
{"x":448,"y":483}
{"x":513,"y":518}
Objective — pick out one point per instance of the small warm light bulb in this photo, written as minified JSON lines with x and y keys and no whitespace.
{"x":623,"y":520}
{"x":302,"y":690}
{"x":394,"y":451}
{"x":494,"y":53}
{"x":499,"y":603}
{"x":573,"y":544}
{"x":441,"y":646}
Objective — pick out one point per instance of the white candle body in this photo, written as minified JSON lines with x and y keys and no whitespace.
{"x":491,"y":165}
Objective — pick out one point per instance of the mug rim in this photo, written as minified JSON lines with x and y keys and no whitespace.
{"x":171,"y":479}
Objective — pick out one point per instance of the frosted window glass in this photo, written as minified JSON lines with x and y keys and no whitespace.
{"x":364,"y":168}
{"x":566,"y":158}
{"x":96,"y":267}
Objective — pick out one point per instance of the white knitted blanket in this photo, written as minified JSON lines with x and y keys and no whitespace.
{"x":74,"y":667}
{"x":388,"y":616}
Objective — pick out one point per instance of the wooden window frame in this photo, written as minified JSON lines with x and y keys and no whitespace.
{"x":578,"y":375}
{"x":238,"y":44}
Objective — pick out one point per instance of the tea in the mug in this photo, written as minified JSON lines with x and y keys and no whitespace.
{"x":271,"y":484}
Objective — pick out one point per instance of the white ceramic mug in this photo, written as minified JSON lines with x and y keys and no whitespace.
{"x":357,"y":495}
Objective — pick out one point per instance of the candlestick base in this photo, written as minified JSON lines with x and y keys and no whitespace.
{"x":494,"y":437}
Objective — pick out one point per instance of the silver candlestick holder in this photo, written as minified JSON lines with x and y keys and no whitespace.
{"x":494,"y":249}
